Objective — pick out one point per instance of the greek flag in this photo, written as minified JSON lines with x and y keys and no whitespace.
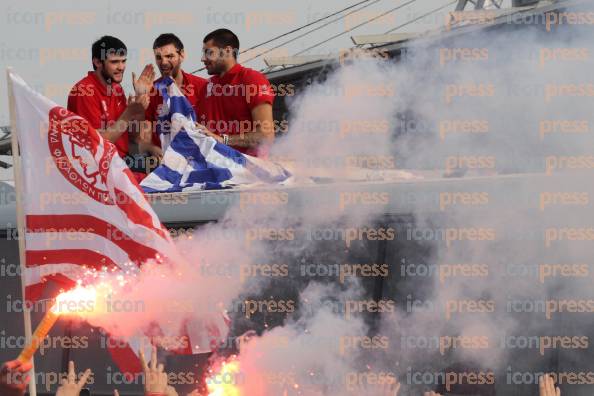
{"x":194,"y":161}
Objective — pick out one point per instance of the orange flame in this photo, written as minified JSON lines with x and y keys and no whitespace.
{"x":83,"y":301}
{"x":224,"y":383}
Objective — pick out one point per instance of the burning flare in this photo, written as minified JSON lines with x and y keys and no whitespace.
{"x":80,"y":301}
{"x":224,"y":383}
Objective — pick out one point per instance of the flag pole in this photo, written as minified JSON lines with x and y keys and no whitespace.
{"x":18,"y":187}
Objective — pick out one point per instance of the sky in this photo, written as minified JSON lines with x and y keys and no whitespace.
{"x":48,"y":42}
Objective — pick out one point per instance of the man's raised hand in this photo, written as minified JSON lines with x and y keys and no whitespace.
{"x":155,"y":378}
{"x":546,"y":386}
{"x":136,"y":107}
{"x":14,"y":378}
{"x":144,"y":83}
{"x":69,"y":386}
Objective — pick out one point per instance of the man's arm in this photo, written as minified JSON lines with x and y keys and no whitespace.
{"x":90,"y":110}
{"x":144,"y":140}
{"x":262,"y":129}
{"x":134,"y":112}
{"x":143,"y":134}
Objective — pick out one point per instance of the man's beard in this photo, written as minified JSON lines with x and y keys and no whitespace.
{"x":173,"y":72}
{"x":216,"y":69}
{"x":106,"y":77}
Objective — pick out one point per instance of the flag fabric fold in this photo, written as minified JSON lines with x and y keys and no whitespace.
{"x":193,"y":160}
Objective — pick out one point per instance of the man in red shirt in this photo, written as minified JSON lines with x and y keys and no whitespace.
{"x":100,"y":99}
{"x":236,"y":106}
{"x":169,"y":55}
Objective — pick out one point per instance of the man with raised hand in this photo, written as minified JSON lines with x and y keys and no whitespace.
{"x":236,"y":106}
{"x":99,"y":98}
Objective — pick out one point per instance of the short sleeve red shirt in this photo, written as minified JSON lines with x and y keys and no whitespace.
{"x":225,"y":104}
{"x":100,"y":105}
{"x":191,"y":87}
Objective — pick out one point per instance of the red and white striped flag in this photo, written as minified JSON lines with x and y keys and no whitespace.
{"x":83,"y":208}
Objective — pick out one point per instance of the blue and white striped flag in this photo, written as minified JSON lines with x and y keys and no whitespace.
{"x":194,"y":161}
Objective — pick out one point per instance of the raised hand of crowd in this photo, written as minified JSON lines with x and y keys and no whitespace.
{"x":14,"y":378}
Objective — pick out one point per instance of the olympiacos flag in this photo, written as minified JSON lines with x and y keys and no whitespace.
{"x":83,"y":209}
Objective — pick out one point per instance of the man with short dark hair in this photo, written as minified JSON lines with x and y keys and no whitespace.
{"x":99,"y":98}
{"x":236,"y":106}
{"x":169,"y":56}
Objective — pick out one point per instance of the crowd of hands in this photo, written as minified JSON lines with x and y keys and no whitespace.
{"x":14,"y":381}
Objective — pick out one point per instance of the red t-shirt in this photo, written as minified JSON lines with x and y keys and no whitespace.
{"x":225,"y":104}
{"x":191,"y":87}
{"x":100,"y":105}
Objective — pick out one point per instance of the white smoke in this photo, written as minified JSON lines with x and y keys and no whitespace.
{"x":474,"y":116}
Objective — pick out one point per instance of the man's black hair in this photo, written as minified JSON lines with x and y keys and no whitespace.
{"x":223,"y":38}
{"x":166,"y":39}
{"x":105,"y":46}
